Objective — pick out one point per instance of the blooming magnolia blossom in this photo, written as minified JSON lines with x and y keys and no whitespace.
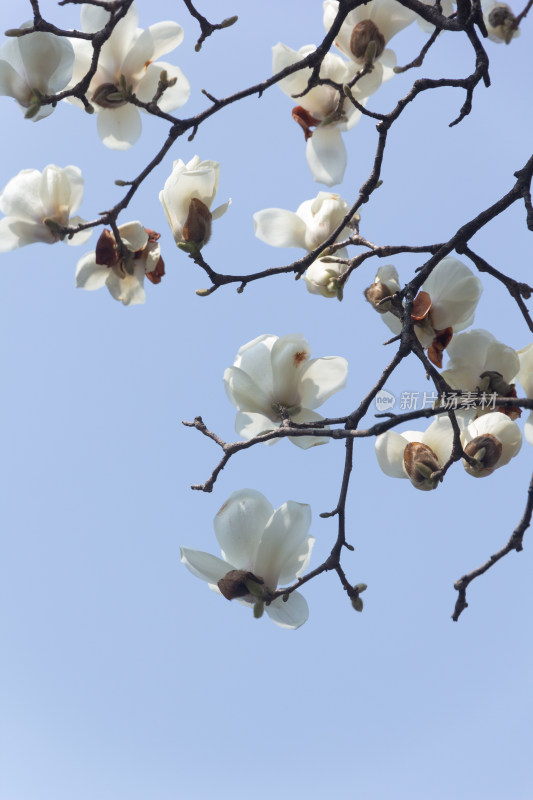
{"x":492,"y":440}
{"x":367,"y":29}
{"x":323,"y":108}
{"x":313,"y":223}
{"x":525,"y":378}
{"x":272,"y":378}
{"x":261,"y":548}
{"x":187,"y":198}
{"x":499,"y":21}
{"x":127,"y":60}
{"x":478,"y":361}
{"x":34,"y":65}
{"x":37,"y":204}
{"x":445,"y":305}
{"x":416,"y":455}
{"x":123,"y":273}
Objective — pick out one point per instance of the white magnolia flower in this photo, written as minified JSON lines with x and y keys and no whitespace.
{"x":123,"y":274}
{"x":187,"y":198}
{"x":36,"y":203}
{"x":492,"y":440}
{"x":367,"y":29}
{"x":476,"y":352}
{"x":499,"y":20}
{"x":257,"y":542}
{"x":445,"y":305}
{"x":323,"y":275}
{"x":525,"y":378}
{"x":129,"y":52}
{"x":34,"y":65}
{"x":320,"y":109}
{"x":314,"y":221}
{"x":272,"y":377}
{"x":417,"y":455}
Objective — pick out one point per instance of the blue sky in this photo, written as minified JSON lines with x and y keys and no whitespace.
{"x":124,"y":677}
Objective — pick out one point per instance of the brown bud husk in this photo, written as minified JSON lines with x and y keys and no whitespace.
{"x":106,"y":252}
{"x":421,"y":307}
{"x":438,"y":346}
{"x":305,"y":120}
{"x":363,"y":34}
{"x":420,"y":463}
{"x":376,"y":293}
{"x":233,"y":584}
{"x":500,"y":15}
{"x":486,"y":450}
{"x":156,"y":274}
{"x":197,"y":228}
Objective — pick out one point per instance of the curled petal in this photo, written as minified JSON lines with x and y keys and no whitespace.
{"x":321,"y":378}
{"x":291,"y":614}
{"x":280,"y":228}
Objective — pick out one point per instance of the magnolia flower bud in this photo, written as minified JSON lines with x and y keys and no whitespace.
{"x":364,"y":35}
{"x":420,"y":463}
{"x":486,"y":450}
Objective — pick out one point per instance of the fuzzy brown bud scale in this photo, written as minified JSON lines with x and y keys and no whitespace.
{"x":365,"y":33}
{"x":197,"y":227}
{"x":486,"y":450}
{"x":420,"y":463}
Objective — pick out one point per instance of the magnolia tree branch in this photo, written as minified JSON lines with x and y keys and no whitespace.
{"x":468,"y":21}
{"x":206,"y":27}
{"x":515,"y":543}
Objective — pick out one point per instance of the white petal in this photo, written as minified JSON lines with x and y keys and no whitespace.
{"x":454,"y":292}
{"x":280,"y":228}
{"x":239,"y":526}
{"x":439,"y":437}
{"x":255,"y":358}
{"x":82,"y":236}
{"x":291,"y":614}
{"x":326,"y":155}
{"x":320,"y":378}
{"x":21,"y":197}
{"x":205,"y":566}
{"x":390,"y":448}
{"x":155,"y":41}
{"x":18,"y":233}
{"x":48,"y":61}
{"x":248,"y":425}
{"x":13,"y":84}
{"x":134,"y":236}
{"x":219,"y":211}
{"x":173,"y":97}
{"x":528,"y":428}
{"x":525,"y":375}
{"x":245,"y":393}
{"x":129,"y":290}
{"x":119,"y":128}
{"x":288,"y":356}
{"x":89,"y":274}
{"x":305,"y":442}
{"x":284,"y":547}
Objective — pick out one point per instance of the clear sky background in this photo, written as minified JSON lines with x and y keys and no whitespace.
{"x":122,"y":677}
